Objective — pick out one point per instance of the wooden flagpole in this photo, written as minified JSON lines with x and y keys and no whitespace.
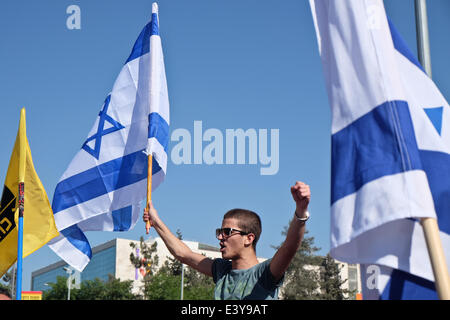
{"x":437,"y":257}
{"x":430,"y":225}
{"x":149,"y":188}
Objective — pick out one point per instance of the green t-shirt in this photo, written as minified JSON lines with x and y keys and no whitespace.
{"x":256,"y":283}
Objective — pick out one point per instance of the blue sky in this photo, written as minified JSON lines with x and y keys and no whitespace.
{"x":230,"y":64}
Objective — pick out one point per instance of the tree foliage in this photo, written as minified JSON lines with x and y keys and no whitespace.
{"x":145,"y":257}
{"x":312,"y":277}
{"x":198,"y":286}
{"x":301,"y":281}
{"x":173,"y":265}
{"x":163,"y":286}
{"x":165,"y":283}
{"x":6,"y":282}
{"x":58,"y":290}
{"x":113,"y":289}
{"x":5,"y":290}
{"x":331,"y":281}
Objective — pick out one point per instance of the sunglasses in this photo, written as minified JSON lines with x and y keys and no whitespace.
{"x":227,"y":232}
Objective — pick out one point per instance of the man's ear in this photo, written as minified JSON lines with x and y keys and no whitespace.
{"x":249,"y":238}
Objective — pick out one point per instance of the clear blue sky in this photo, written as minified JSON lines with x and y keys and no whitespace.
{"x":231,"y":64}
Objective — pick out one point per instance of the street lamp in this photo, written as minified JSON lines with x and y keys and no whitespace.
{"x":69,"y":271}
{"x":182,"y":281}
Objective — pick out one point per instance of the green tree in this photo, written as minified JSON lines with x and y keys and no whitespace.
{"x":90,"y":290}
{"x":331,"y":281}
{"x":6,"y":281}
{"x":146,"y":259}
{"x":115,"y":289}
{"x":313,"y":277}
{"x":172,"y":266}
{"x":166,"y":286}
{"x":163,"y":286}
{"x":301,"y":281}
{"x":165,"y":283}
{"x":198,"y":286}
{"x":4,"y":289}
{"x":96,"y":289}
{"x":59,"y":290}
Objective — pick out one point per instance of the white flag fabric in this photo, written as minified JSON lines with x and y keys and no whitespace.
{"x":390,"y":149}
{"x":103,"y":186}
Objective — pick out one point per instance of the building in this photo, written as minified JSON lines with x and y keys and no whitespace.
{"x":352,"y":273}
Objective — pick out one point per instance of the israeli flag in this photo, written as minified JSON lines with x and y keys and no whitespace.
{"x":390,"y":150}
{"x":104,"y":184}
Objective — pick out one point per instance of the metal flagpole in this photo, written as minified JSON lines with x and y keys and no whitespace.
{"x":22,"y":164}
{"x":423,"y":40}
{"x":20,"y":243}
{"x":182,"y":281}
{"x":13,"y":281}
{"x":430,"y":225}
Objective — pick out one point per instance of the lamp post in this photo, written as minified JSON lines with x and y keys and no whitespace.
{"x":69,"y":280}
{"x":182,"y":281}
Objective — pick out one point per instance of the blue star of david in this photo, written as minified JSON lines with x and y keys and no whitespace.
{"x":435,"y":116}
{"x":100,"y":131}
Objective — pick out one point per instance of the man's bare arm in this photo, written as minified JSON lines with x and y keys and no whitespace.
{"x":177,"y":247}
{"x":284,"y":255}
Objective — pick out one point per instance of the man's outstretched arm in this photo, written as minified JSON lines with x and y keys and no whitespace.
{"x":283,"y":257}
{"x":177,"y":247}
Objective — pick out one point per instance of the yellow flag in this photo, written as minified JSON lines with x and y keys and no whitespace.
{"x":38,"y":223}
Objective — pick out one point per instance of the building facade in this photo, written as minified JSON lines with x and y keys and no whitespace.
{"x":351,"y":272}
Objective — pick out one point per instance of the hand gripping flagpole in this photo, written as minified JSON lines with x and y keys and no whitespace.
{"x":430,"y":225}
{"x":22,"y":164}
{"x":149,"y":189}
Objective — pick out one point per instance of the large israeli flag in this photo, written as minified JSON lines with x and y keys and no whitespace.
{"x":390,"y":149}
{"x":104,"y":184}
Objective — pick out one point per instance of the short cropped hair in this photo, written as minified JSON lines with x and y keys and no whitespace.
{"x":248,"y":221}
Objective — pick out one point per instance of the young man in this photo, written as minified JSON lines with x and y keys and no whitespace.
{"x":238,"y":275}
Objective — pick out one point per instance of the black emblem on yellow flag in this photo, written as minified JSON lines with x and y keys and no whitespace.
{"x":7,"y":205}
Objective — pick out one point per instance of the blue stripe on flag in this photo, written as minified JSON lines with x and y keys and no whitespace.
{"x":122,"y":218}
{"x":77,"y":238}
{"x":405,"y":286}
{"x":402,"y":47}
{"x":380,"y":143}
{"x":102,"y":179}
{"x":142,"y":44}
{"x":155,"y":25}
{"x":159,"y":129}
{"x":436,"y":165}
